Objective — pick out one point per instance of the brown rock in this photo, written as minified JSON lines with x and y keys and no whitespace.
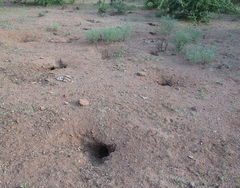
{"x":42,"y":108}
{"x":83,"y":102}
{"x":141,"y":74}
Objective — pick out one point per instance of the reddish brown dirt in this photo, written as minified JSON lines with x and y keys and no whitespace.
{"x":178,"y":126}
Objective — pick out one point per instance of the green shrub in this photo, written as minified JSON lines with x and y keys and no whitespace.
{"x":197,"y":10}
{"x":208,"y":53}
{"x":103,"y":7}
{"x":55,"y":26}
{"x":49,"y":2}
{"x":195,"y":34}
{"x":40,"y":14}
{"x":122,"y":7}
{"x":109,"y":34}
{"x":168,"y":24}
{"x":180,"y":39}
{"x":151,"y":4}
{"x":199,"y":53}
{"x":126,"y":31}
{"x":94,"y":35}
{"x":194,"y":53}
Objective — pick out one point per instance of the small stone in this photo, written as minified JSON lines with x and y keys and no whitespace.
{"x":41,"y":57}
{"x":190,"y":156}
{"x":83,"y":102}
{"x":141,"y":74}
{"x":177,"y":88}
{"x":194,"y":108}
{"x":192,"y":184}
{"x":42,"y":108}
{"x":63,"y":119}
{"x":214,"y":131}
{"x":66,"y":103}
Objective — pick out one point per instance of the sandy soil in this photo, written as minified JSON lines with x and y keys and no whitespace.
{"x":177,"y":125}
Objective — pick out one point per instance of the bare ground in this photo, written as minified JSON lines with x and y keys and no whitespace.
{"x":177,"y":126}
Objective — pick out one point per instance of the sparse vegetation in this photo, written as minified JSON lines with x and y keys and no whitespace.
{"x":109,"y":34}
{"x":180,"y":40}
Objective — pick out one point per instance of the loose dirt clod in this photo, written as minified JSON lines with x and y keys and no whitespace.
{"x":83,"y":102}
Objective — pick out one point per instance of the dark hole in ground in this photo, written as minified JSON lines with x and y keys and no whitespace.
{"x":102,"y":152}
{"x":99,"y":151}
{"x":53,"y":68}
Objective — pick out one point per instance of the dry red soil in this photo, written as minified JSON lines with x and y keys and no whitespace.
{"x":176,"y":125}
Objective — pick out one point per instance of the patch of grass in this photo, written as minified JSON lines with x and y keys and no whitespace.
{"x":24,"y":185}
{"x":41,"y":14}
{"x":168,"y":25}
{"x":109,"y":34}
{"x":180,"y":39}
{"x":198,"y":53}
{"x":55,"y":26}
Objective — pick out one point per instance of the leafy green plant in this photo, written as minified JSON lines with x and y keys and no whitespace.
{"x":152,"y":4}
{"x":198,"y":53}
{"x":94,"y":35}
{"x":24,"y":185}
{"x":180,"y":39}
{"x":197,"y":10}
{"x":40,"y":14}
{"x":195,"y":34}
{"x":103,"y":7}
{"x":126,"y":31}
{"x":168,"y":24}
{"x":55,"y":26}
{"x":109,"y":34}
{"x":208,"y":53}
{"x":122,"y":7}
{"x":194,"y":53}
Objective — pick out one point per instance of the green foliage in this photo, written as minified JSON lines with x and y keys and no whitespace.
{"x":49,"y":2}
{"x":94,"y":35}
{"x":208,"y":53}
{"x":122,"y":7}
{"x":168,"y":24}
{"x":40,"y":14}
{"x":24,"y":185}
{"x":0,"y":2}
{"x":55,"y":26}
{"x":198,"y":53}
{"x":103,"y":7}
{"x":109,"y":34}
{"x":126,"y":31}
{"x":180,"y":39}
{"x":197,"y":10}
{"x":151,"y":4}
{"x":195,"y":34}
{"x":194,"y":53}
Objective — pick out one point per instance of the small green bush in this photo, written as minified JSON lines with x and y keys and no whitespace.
{"x":151,"y":4}
{"x":126,"y":31}
{"x":194,"y":53}
{"x":180,"y":39}
{"x":55,"y":26}
{"x":122,"y":7}
{"x":198,"y":53}
{"x":103,"y":7}
{"x":208,"y":53}
{"x":40,"y":14}
{"x":94,"y":35}
{"x":195,"y":34}
{"x":109,"y":34}
{"x":197,"y":10}
{"x":168,"y":25}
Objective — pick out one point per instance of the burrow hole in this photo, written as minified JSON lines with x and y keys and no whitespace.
{"x":100,"y":151}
